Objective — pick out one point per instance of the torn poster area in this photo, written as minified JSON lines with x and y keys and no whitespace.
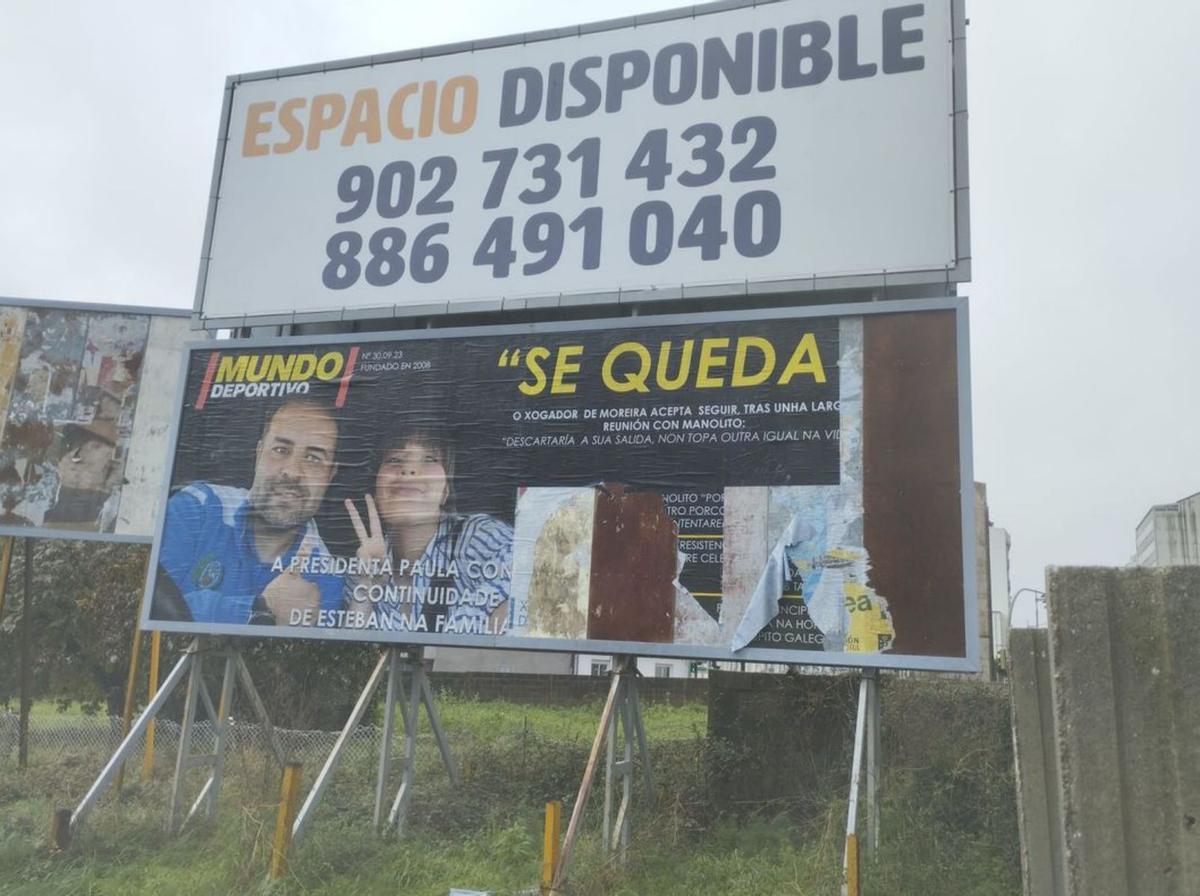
{"x":604,"y":562}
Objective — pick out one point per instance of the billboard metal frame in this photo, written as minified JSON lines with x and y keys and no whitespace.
{"x":968,"y":663}
{"x":959,"y":272}
{"x":86,"y":308}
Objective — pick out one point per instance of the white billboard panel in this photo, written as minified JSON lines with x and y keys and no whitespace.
{"x":737,"y":147}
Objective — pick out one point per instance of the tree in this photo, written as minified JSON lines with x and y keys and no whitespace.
{"x":86,"y":596}
{"x":84,"y":600}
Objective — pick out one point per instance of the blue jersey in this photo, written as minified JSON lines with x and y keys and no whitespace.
{"x":209,"y":552}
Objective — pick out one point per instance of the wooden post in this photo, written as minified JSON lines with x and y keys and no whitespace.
{"x":130,"y":685}
{"x":289,"y":796}
{"x":551,"y":846}
{"x":151,"y":690}
{"x":585,"y":788}
{"x":60,"y":830}
{"x":26,"y":649}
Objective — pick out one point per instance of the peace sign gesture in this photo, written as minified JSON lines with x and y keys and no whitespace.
{"x":372,"y":546}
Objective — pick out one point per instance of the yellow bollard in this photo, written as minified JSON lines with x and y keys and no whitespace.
{"x":551,"y":845}
{"x":148,"y":751}
{"x":852,"y":865}
{"x":289,"y":797}
{"x":60,"y":830}
{"x":5,"y":565}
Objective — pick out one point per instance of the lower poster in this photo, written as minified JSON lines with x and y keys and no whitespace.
{"x":781,"y":486}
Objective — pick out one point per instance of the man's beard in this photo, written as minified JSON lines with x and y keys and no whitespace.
{"x":281,"y":505}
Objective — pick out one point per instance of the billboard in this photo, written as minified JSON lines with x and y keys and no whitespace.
{"x":718,"y":150}
{"x":783,"y":486}
{"x":85,"y":411}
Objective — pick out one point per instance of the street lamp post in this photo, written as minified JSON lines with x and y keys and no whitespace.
{"x":1038,"y":597}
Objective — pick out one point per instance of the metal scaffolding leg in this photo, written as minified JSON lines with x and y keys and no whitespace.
{"x":610,"y":761}
{"x":866,"y":734}
{"x":389,"y":726}
{"x":585,"y":786}
{"x":234,"y":670}
{"x":335,"y":755}
{"x":622,"y":712}
{"x":129,"y":744}
{"x":207,"y":799}
{"x":411,"y":714}
{"x":395,"y":662}
{"x":191,"y":666}
{"x":183,"y":758}
{"x":419,"y":694}
{"x":873,"y":759}
{"x":625,"y":770}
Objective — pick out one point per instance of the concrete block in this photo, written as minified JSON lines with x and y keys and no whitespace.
{"x":1181,"y":605}
{"x":1124,"y":654}
{"x":1039,"y":804}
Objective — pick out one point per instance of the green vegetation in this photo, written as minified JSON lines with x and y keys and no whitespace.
{"x":486,"y":834}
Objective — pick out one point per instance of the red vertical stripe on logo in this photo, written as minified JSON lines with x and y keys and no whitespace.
{"x":345,"y":386}
{"x":208,"y":378}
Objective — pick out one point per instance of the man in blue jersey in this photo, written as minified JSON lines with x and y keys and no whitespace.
{"x":235,"y":556}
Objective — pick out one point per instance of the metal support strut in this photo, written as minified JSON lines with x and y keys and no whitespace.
{"x":866,"y":738}
{"x":395,"y":662}
{"x":190,"y":666}
{"x":622,"y":714}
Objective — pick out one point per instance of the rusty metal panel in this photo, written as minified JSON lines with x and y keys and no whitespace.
{"x":911,"y":475}
{"x":632,"y":594}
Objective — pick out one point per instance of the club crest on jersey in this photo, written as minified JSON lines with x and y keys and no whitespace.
{"x":208,"y":573}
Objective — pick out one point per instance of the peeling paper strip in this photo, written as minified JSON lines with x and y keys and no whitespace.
{"x":693,"y":624}
{"x":817,"y":544}
{"x":824,"y":533}
{"x":764,"y":604}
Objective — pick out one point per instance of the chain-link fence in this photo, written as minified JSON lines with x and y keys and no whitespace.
{"x":102,"y":735}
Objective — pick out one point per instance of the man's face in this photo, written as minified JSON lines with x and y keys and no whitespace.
{"x":294,"y":465}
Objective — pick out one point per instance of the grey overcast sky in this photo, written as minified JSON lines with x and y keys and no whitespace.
{"x":1084,"y":196}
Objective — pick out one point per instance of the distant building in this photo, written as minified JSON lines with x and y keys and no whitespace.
{"x":983,"y":582}
{"x":999,"y":546}
{"x":1169,"y":534}
{"x":992,"y":546}
{"x":670,"y":667}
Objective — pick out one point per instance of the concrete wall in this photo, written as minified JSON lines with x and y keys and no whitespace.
{"x":1124,"y":682}
{"x":470,"y":659}
{"x":1039,"y":787}
{"x":784,"y":736}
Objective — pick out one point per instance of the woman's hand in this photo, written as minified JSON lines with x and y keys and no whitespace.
{"x":372,"y":546}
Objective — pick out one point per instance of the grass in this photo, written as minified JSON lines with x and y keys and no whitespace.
{"x":487,"y":718}
{"x":48,"y":713}
{"x":486,"y":834}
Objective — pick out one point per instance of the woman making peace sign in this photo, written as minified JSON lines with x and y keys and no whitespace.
{"x":437,"y":571}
